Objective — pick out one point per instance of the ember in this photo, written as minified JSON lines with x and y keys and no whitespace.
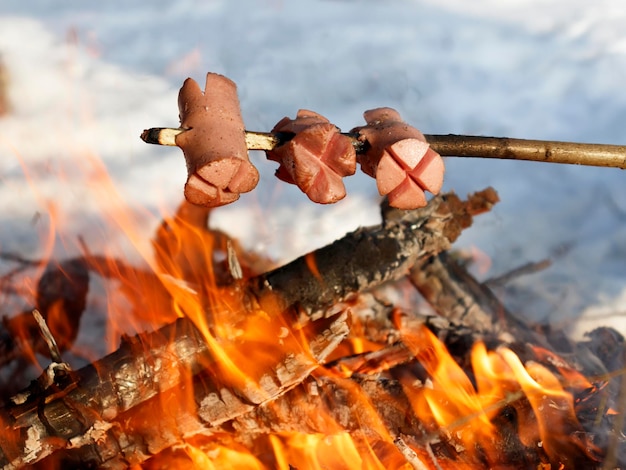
{"x":315,"y":364}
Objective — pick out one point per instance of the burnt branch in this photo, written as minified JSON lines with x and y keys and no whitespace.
{"x":65,"y":410}
{"x":198,"y":407}
{"x":457,"y":295}
{"x":370,"y":256}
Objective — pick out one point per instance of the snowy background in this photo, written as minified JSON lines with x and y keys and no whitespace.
{"x":85,"y":78}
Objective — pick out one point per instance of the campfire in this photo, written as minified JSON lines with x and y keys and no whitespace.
{"x":380,"y":350}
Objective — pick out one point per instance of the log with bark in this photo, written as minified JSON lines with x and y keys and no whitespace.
{"x":84,"y":409}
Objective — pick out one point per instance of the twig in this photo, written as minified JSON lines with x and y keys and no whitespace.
{"x":409,"y":454}
{"x":55,"y":354}
{"x":233,"y":263}
{"x":451,"y":145}
{"x":457,"y":295}
{"x":254,"y":140}
{"x":528,"y":268}
{"x":530,"y":150}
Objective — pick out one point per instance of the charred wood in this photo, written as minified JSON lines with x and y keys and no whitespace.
{"x":87,"y":409}
{"x":46,"y":416}
{"x":199,"y":407}
{"x":370,"y":256}
{"x":81,"y":409}
{"x":454,"y":293}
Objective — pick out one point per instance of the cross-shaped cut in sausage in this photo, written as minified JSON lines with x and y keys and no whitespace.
{"x":400,"y":159}
{"x":316,"y":158}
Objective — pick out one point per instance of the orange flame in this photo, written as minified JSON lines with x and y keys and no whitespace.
{"x":450,"y":404}
{"x":186,"y":275}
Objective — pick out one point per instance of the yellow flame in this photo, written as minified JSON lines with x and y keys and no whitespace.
{"x":182,"y":282}
{"x":449,"y":403}
{"x":319,"y":451}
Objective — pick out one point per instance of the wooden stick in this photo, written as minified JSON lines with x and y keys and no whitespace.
{"x":451,"y":145}
{"x":48,"y":337}
{"x":254,"y":140}
{"x":531,"y":150}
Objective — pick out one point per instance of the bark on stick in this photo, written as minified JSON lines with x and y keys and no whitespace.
{"x":452,"y":145}
{"x":370,"y":256}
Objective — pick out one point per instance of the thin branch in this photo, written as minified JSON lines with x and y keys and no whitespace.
{"x":48,"y":337}
{"x":254,"y":140}
{"x":528,"y":268}
{"x":451,"y":145}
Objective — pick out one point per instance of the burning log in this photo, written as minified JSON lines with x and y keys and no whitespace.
{"x":456,"y":294}
{"x":369,"y":257}
{"x":130,"y":437}
{"x":65,"y":410}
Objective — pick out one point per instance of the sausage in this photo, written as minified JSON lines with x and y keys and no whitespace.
{"x":214,"y":145}
{"x":316,"y":158}
{"x":400,"y":159}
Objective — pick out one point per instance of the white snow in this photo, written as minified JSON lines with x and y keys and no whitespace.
{"x":86,"y":78}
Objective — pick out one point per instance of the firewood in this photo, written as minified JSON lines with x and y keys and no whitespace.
{"x":370,"y":256}
{"x":199,"y":409}
{"x":460,"y":297}
{"x":76,"y":402}
{"x":454,"y":293}
{"x":76,"y":408}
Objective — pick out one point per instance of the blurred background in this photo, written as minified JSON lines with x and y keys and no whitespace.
{"x":83,"y":79}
